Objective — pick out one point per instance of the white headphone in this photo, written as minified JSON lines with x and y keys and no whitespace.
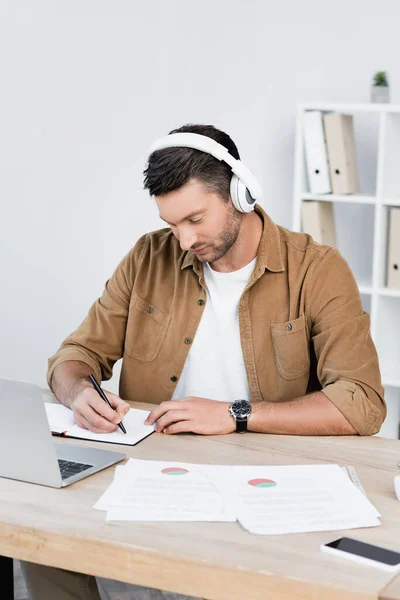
{"x":244,"y":187}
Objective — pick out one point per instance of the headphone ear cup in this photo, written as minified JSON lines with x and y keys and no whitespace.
{"x":240,"y":195}
{"x":234,"y":192}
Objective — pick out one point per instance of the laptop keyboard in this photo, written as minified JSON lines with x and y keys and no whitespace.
{"x":69,"y":468}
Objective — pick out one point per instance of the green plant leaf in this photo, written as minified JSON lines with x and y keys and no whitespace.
{"x":381,"y":79}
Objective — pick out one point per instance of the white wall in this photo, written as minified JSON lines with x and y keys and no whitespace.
{"x":87,"y":85}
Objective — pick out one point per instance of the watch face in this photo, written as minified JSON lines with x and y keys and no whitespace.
{"x":241,"y":409}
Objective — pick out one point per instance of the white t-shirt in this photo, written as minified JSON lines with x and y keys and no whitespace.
{"x":214,"y":367}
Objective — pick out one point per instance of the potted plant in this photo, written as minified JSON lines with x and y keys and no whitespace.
{"x":380,"y":87}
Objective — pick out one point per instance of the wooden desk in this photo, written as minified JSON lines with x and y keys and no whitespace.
{"x":217,"y":561}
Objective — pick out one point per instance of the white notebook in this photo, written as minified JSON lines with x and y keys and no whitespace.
{"x":61,"y":421}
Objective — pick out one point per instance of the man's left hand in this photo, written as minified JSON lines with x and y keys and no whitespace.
{"x":192,"y":415}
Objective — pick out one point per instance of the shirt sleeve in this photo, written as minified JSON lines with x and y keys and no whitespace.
{"x":99,"y":339}
{"x":348,"y":367}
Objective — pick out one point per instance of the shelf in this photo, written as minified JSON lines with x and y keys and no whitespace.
{"x":349,"y":198}
{"x":386,"y":337}
{"x":352,"y":108}
{"x":391,"y":382}
{"x":391,"y":202}
{"x":369,"y":290}
{"x":390,"y":292}
{"x":365,"y":289}
{"x":362,"y":226}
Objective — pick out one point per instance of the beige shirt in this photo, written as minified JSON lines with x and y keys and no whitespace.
{"x":302,"y":325}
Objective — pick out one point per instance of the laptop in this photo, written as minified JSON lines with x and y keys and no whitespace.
{"x":27,"y":450}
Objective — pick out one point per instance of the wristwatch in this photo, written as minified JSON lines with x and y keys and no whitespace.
{"x":240,"y":411}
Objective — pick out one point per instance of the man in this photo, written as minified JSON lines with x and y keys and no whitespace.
{"x":224,"y":320}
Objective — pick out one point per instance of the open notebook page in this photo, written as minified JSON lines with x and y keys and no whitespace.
{"x":61,"y":421}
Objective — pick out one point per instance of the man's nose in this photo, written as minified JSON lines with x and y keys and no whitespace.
{"x":187,"y":239}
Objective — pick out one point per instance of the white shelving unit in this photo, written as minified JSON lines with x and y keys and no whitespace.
{"x":362,"y":228}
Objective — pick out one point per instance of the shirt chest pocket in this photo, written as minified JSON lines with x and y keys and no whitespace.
{"x":146,"y":330}
{"x":291,"y":348}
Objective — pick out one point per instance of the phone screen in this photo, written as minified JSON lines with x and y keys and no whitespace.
{"x":387,"y":557}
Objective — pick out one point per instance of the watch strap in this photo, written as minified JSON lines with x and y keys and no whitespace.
{"x":241,"y":425}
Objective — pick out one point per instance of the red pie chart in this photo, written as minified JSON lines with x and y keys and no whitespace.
{"x":262,"y":483}
{"x":174,"y":471}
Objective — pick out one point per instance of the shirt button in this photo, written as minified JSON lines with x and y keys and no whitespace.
{"x":149,"y":310}
{"x":173,"y":378}
{"x":200,"y":302}
{"x":289,"y":327}
{"x":188,"y":340}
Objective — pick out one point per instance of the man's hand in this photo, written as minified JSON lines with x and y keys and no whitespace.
{"x":91,"y":412}
{"x":195,"y":415}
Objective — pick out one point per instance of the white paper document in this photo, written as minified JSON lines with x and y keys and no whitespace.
{"x":266,"y":500}
{"x":61,"y":421}
{"x":292,"y":499}
{"x":162,"y":491}
{"x":352,"y":474}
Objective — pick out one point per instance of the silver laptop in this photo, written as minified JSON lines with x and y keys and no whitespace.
{"x":27,"y":449}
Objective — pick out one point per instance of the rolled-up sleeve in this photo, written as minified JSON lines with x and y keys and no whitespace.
{"x":348,"y":366}
{"x":99,"y":339}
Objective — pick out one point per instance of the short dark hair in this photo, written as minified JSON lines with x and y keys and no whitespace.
{"x":171,"y":168}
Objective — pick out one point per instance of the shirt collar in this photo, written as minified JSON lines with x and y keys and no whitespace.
{"x":269,"y":255}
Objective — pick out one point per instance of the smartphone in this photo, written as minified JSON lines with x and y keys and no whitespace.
{"x":364,"y":553}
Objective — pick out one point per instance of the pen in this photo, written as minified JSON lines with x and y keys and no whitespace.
{"x":102,"y":395}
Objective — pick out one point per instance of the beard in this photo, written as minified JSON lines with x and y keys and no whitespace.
{"x":228,"y":236}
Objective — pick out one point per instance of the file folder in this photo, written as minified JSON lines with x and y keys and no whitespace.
{"x":318,"y":221}
{"x":339,"y":133}
{"x":393,"y":264}
{"x":316,"y":154}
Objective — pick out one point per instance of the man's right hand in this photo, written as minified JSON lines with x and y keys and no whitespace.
{"x":91,"y":412}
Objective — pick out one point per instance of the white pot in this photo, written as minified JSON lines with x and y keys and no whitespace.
{"x":380,"y":94}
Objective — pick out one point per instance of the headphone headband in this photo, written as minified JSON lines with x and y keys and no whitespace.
{"x":210,"y":146}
